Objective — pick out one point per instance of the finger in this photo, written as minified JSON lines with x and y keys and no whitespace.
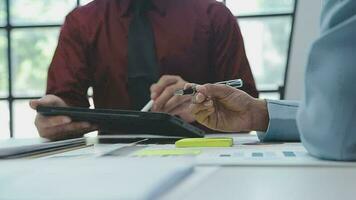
{"x":189,"y":85}
{"x":183,"y":112}
{"x":163,"y":98}
{"x":34,"y":104}
{"x":179,"y":109}
{"x":48,"y":100}
{"x":175,"y":102}
{"x":163,"y":82}
{"x":63,"y":131}
{"x":47,"y":122}
{"x":69,"y":135}
{"x":199,"y":98}
{"x":203,"y":116}
{"x":80,"y":131}
{"x":196,"y":108}
{"x":215,"y":90}
{"x":52,"y":100}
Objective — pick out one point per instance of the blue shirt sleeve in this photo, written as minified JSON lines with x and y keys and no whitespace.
{"x":282,"y":122}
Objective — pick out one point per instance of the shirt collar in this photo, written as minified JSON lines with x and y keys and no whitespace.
{"x":159,"y":5}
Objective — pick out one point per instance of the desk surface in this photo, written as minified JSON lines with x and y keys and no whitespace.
{"x":226,"y":173}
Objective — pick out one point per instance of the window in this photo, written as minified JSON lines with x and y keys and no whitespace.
{"x":267,"y":42}
{"x":29,"y":31}
{"x":28,"y":37}
{"x":266,"y":26}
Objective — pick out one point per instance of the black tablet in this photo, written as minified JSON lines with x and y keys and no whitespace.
{"x":127,"y":122}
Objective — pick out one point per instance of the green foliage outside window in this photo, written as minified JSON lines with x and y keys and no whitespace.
{"x":32,"y":51}
{"x":2,"y":13}
{"x":3,"y":66}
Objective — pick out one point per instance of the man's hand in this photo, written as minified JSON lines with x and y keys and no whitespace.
{"x":162,"y":93}
{"x":224,"y":108}
{"x":58,"y":127}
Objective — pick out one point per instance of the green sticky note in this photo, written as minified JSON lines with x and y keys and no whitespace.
{"x":204,"y":142}
{"x":167,"y":152}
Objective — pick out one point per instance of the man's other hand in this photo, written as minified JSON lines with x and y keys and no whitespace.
{"x":162,"y":93}
{"x":58,"y":127}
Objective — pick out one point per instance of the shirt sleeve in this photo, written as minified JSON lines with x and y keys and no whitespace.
{"x":69,"y":74}
{"x":282,"y":122}
{"x":228,"y":51}
{"x":327,"y":116}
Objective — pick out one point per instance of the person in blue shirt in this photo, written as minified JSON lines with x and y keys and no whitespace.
{"x":325,"y":120}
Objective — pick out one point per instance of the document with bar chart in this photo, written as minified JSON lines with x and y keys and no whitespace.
{"x":261,"y":156}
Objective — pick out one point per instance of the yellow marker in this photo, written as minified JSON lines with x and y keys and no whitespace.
{"x":204,"y":142}
{"x":167,"y":152}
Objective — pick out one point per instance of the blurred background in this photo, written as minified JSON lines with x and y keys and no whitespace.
{"x":29,"y":31}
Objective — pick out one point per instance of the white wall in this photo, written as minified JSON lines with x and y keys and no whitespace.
{"x":306,"y":29}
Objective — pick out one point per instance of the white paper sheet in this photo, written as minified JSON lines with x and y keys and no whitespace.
{"x":264,"y":155}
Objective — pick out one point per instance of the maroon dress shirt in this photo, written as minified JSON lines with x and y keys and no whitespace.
{"x":198,"y":40}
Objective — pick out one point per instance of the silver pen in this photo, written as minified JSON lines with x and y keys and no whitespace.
{"x":236,"y":83}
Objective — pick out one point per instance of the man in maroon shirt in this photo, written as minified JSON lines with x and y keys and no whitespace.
{"x":194,"y":41}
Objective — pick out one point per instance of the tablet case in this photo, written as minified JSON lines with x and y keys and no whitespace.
{"x":127,"y":122}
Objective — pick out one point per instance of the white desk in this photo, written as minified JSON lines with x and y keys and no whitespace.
{"x":270,"y":183}
{"x":217,"y":177}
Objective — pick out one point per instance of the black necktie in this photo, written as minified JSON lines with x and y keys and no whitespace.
{"x":142,"y":61}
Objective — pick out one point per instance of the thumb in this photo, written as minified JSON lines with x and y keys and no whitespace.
{"x":48,"y":100}
{"x":34,"y":104}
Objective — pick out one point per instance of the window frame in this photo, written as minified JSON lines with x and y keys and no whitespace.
{"x":8,"y":28}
